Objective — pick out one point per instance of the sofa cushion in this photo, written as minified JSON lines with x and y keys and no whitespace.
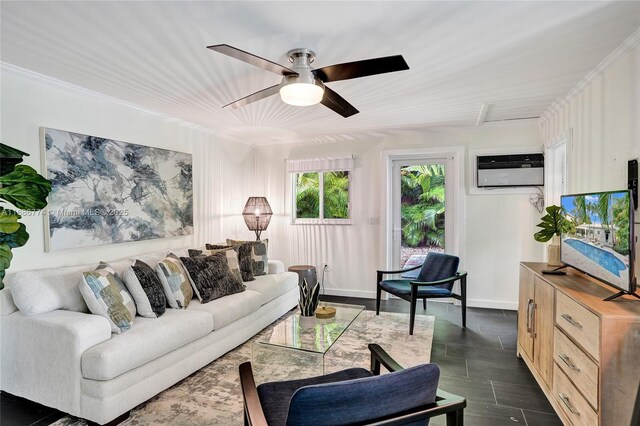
{"x":229,"y":308}
{"x":106,"y":295}
{"x":211,"y":276}
{"x":146,"y":289}
{"x":244,"y":258}
{"x":259,"y":255}
{"x":273,"y":285}
{"x":232,"y":258}
{"x":45,"y":290}
{"x":175,"y":281}
{"x":146,"y":340}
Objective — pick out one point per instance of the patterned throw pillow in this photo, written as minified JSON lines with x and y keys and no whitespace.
{"x":175,"y":282}
{"x":259,"y":258}
{"x":146,"y":289}
{"x":106,"y":295}
{"x":232,"y":258}
{"x":211,"y":277}
{"x":244,"y":258}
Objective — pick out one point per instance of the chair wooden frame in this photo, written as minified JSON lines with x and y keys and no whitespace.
{"x":415,"y":285}
{"x":451,"y":405}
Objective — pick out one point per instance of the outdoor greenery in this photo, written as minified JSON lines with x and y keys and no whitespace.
{"x":335,"y":197}
{"x":307,"y":196}
{"x":422,"y":205}
{"x":23,"y":188}
{"x":620,"y":210}
{"x":553,"y":223}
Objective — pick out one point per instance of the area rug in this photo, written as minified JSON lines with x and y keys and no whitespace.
{"x":212,"y":394}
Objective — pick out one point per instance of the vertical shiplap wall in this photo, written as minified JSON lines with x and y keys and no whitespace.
{"x":222,"y":170}
{"x":499,"y":228}
{"x":604,"y":117}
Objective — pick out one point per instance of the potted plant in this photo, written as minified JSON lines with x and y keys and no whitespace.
{"x":24,"y":189}
{"x":553,"y":224}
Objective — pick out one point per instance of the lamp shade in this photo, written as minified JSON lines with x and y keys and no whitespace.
{"x":257,"y":214}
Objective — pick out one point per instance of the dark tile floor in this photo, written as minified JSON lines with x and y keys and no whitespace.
{"x":478,"y":363}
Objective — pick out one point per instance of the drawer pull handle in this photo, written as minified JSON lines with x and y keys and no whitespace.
{"x":567,"y":361}
{"x":565,"y":399}
{"x":571,"y":321}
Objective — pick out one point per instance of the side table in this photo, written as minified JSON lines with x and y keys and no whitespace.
{"x":307,"y":272}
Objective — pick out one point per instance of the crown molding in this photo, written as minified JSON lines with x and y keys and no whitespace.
{"x":32,"y":75}
{"x":627,"y":46}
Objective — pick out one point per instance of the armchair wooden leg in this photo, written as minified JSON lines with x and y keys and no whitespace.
{"x":424,"y":303}
{"x":455,"y":418}
{"x":463,"y":296}
{"x":414,"y":302}
{"x":378,"y":296}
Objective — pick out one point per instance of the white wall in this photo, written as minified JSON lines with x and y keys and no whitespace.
{"x":222,"y":170}
{"x":498,"y":228}
{"x":604,"y":116}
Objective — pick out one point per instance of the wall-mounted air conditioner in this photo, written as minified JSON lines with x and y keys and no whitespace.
{"x":500,"y":171}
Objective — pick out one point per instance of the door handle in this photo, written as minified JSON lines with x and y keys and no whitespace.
{"x":529,"y":304}
{"x":565,"y":399}
{"x":568,"y":361}
{"x":568,"y":318}
{"x":532,"y":321}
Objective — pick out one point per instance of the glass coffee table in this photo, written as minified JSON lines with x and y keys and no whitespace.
{"x":298,"y":345}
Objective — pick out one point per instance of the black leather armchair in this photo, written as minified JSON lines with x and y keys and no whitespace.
{"x":437,"y":275}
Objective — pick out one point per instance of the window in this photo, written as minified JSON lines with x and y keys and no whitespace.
{"x":555,"y":182}
{"x":321,"y":196}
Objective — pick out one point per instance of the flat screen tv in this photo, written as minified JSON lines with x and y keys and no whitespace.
{"x":600,"y":241}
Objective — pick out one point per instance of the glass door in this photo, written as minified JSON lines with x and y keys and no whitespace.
{"x":420,"y":217}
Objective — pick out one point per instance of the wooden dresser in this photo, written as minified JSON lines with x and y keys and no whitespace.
{"x":584,"y":352}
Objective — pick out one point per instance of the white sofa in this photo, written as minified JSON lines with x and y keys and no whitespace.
{"x":68,"y":359}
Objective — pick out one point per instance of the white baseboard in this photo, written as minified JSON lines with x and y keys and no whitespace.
{"x":350,"y":293}
{"x":492,"y":304}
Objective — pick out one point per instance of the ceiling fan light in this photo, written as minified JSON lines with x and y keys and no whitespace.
{"x":301,"y":94}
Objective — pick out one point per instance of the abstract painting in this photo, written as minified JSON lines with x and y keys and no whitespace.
{"x":106,"y":191}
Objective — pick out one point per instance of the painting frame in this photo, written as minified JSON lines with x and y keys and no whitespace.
{"x":106,"y":191}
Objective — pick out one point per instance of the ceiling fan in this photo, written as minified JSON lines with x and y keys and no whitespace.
{"x":302,"y":85}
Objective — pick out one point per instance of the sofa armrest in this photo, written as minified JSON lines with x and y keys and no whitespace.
{"x":40,"y":355}
{"x":276,"y":267}
{"x":7,"y":306}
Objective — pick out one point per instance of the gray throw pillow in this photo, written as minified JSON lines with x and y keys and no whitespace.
{"x":232,"y":258}
{"x":211,"y":277}
{"x":146,"y":289}
{"x":244,"y":258}
{"x":259,"y":256}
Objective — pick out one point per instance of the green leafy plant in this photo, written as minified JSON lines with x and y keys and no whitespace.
{"x":553,"y":223}
{"x":23,"y":188}
{"x":422,"y":206}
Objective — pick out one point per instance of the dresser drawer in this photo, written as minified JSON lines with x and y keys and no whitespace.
{"x":579,"y":323}
{"x":574,"y":406}
{"x":577,"y":366}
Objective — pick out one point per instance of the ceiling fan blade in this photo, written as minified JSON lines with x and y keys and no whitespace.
{"x":252,"y":59}
{"x":264,"y":93}
{"x":363,"y":68}
{"x":332,"y":100}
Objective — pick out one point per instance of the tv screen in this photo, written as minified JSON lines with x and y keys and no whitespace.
{"x":600,"y":239}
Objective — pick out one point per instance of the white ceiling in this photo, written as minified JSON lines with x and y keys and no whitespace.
{"x":516,"y":56}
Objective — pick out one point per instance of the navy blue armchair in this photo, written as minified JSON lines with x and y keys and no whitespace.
{"x":355,"y":396}
{"x":437,"y":275}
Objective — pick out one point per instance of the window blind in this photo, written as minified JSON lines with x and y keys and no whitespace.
{"x":343,"y":163}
